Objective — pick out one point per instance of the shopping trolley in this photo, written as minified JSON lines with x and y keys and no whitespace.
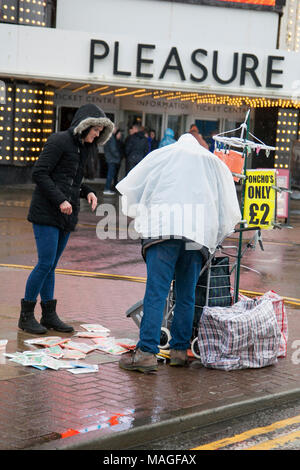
{"x":213,"y":289}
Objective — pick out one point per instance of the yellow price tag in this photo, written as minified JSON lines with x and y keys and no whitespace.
{"x":259,"y":204}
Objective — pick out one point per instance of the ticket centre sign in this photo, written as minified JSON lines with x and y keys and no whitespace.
{"x":260,"y":198}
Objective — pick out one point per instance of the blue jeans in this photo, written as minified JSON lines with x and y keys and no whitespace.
{"x":112,"y":170}
{"x":50,"y":242}
{"x":164,"y":260}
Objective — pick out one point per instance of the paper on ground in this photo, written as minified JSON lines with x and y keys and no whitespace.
{"x":82,"y":347}
{"x":84,"y":370}
{"x":41,"y":360}
{"x":54,"y":351}
{"x":92,"y":334}
{"x":126,"y":343}
{"x":109,"y":345}
{"x":47,"y":341}
{"x":72,"y":354}
{"x":94,"y":327}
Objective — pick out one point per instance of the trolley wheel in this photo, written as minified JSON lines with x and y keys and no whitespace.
{"x":195,"y":348}
{"x":165,"y":337}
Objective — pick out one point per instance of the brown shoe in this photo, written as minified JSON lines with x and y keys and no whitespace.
{"x":178,"y":357}
{"x":139,"y":360}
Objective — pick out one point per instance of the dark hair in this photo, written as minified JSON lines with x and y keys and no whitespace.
{"x":85,"y":132}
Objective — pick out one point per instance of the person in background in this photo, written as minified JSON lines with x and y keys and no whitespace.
{"x":113,"y":155}
{"x":136,"y":147}
{"x":153,"y":140}
{"x":195,"y":132}
{"x":54,"y":209}
{"x":147,"y":135}
{"x":168,"y":138}
{"x":121,"y":146}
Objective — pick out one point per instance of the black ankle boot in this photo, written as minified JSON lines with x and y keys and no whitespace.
{"x":50,"y":318}
{"x":27,"y":322}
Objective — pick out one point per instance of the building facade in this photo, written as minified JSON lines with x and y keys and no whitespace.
{"x":159,"y":62}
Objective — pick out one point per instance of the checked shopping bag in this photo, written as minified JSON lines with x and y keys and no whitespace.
{"x":281,"y":316}
{"x":245,"y":335}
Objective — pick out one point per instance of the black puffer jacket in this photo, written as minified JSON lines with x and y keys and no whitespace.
{"x":59,"y":171}
{"x":136,"y":147}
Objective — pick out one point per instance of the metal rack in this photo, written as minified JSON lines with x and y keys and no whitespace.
{"x":243,"y":142}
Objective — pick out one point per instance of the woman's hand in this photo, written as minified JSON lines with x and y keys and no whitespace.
{"x":66,"y":208}
{"x":92,"y":199}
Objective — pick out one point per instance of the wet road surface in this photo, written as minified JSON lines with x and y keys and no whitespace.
{"x":274,"y":268}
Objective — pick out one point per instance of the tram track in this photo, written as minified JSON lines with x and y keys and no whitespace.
{"x":120,"y":277}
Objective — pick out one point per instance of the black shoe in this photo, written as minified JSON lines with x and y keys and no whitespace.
{"x":27,"y":322}
{"x":51,"y":320}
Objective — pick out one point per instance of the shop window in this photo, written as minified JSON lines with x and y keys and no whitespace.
{"x":40,"y":13}
{"x":26,"y":121}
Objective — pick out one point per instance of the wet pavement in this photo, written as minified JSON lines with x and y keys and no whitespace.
{"x":39,"y":406}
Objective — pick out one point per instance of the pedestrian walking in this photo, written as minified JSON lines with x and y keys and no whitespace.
{"x":187,"y":179}
{"x":113,"y":155}
{"x":168,"y":138}
{"x":136,"y":147}
{"x":55,"y":206}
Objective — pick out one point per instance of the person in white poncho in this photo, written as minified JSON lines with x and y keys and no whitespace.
{"x":183,"y":200}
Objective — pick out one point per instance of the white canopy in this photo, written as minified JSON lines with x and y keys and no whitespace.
{"x":183,"y":190}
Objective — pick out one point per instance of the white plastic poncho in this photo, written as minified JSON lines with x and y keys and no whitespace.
{"x":182,"y":190}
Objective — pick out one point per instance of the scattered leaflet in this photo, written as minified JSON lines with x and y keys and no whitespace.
{"x":84,"y":369}
{"x":95,"y":328}
{"x":34,"y":360}
{"x":109,"y":345}
{"x":47,"y":341}
{"x":92,"y":334}
{"x":126,"y":343}
{"x":42,"y":360}
{"x":72,"y":354}
{"x":54,"y":351}
{"x":82,"y":347}
{"x":3,"y":343}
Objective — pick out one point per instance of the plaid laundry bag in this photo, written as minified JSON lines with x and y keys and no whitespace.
{"x":245,"y":335}
{"x":280,"y":312}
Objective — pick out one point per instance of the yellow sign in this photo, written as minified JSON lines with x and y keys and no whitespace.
{"x":259,"y":205}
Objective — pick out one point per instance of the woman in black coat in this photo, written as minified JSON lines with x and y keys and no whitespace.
{"x":55,"y":206}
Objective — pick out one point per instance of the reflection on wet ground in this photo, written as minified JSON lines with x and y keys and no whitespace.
{"x":274,"y":268}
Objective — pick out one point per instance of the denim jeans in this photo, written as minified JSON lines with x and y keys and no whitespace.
{"x":164,"y":260}
{"x":112,"y":170}
{"x":50,"y":242}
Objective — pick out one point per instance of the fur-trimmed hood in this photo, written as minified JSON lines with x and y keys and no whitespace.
{"x":91,"y":115}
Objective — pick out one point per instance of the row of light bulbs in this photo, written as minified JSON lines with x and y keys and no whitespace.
{"x":239,"y":101}
{"x":31,"y":124}
{"x":22,"y":159}
{"x":287,"y":128}
{"x":36,"y":10}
